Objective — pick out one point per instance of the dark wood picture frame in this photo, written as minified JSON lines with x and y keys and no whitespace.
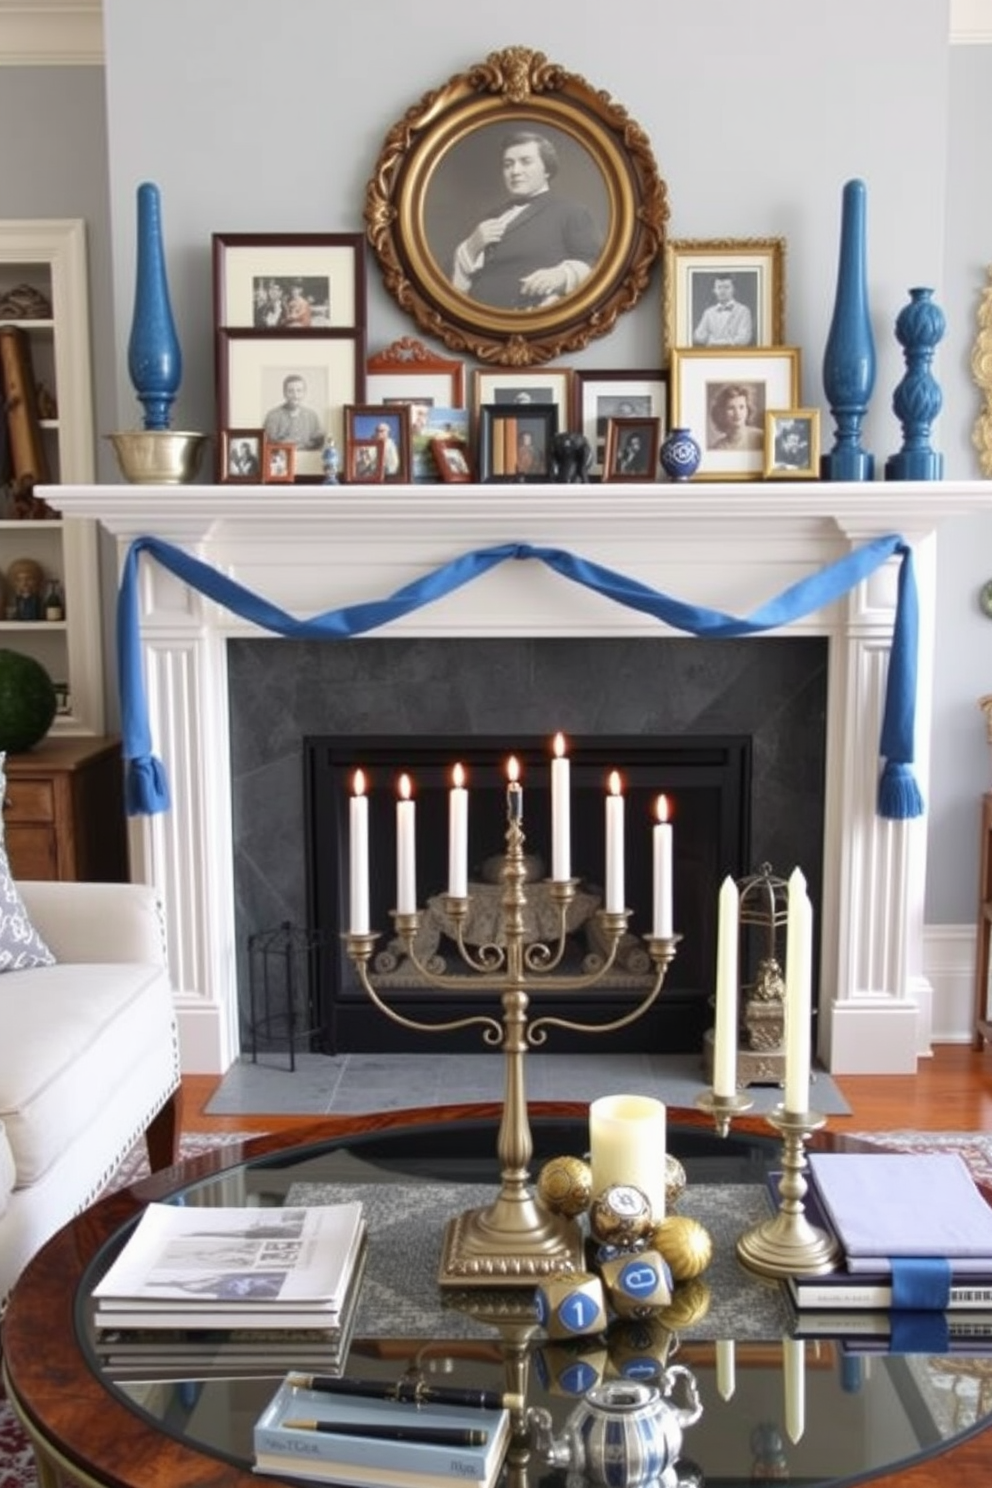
{"x":451,"y":457}
{"x":241,"y":455}
{"x":278,"y":462}
{"x":507,"y":433}
{"x":632,"y":446}
{"x":364,"y":460}
{"x":362,"y":422}
{"x":599,"y":395}
{"x":437,"y":178}
{"x":329,"y":267}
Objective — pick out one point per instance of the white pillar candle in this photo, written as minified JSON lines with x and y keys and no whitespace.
{"x":726,"y":1368}
{"x":406,"y":850}
{"x":661,"y":927}
{"x":614,"y":848}
{"x":627,"y":1146}
{"x":458,"y":835}
{"x":794,"y":1366}
{"x":358,"y":853}
{"x":561,"y":825}
{"x":798,"y":994}
{"x":725,"y":1020}
{"x":514,"y":792}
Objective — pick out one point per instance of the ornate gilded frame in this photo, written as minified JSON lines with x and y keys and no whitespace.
{"x":419,"y":204}
{"x":981,"y":370}
{"x":757,"y":265}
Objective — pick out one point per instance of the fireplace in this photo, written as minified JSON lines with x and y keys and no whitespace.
{"x":731,"y":547}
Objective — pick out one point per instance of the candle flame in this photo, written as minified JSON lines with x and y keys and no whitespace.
{"x":406,"y":789}
{"x":512,"y":769}
{"x":614,"y":783}
{"x":559,"y":746}
{"x":661,"y":809}
{"x":458,"y":777}
{"x":358,"y":783}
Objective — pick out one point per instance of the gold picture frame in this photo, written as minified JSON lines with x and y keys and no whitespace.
{"x":435,"y":185}
{"x":693,"y":306}
{"x":792,"y":443}
{"x":722,"y":396}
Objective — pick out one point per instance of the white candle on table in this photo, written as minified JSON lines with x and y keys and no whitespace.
{"x":514,"y":791}
{"x":798,"y":994}
{"x":627,"y":1146}
{"x":794,"y":1366}
{"x":406,"y":850}
{"x":561,"y":826}
{"x":614,"y":848}
{"x":358,"y":852}
{"x":726,"y":1368}
{"x":458,"y":835}
{"x":662,"y":842}
{"x":725,"y":1020}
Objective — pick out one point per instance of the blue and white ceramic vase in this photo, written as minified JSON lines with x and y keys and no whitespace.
{"x":680,"y":455}
{"x":849,"y":357}
{"x":917,"y":400}
{"x":154,"y":356}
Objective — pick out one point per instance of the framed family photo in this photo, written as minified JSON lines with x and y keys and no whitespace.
{"x":524,"y":386}
{"x":241,"y":455}
{"x":389,"y":426}
{"x":364,"y":461}
{"x":599,"y":396}
{"x":515,"y":443}
{"x":431,"y":385}
{"x":289,"y":281}
{"x":723,"y":292}
{"x":592,"y":210}
{"x":451,"y":458}
{"x":792,"y":443}
{"x":292,"y":387}
{"x":632,"y":446}
{"x":278,"y":462}
{"x":723,"y":396}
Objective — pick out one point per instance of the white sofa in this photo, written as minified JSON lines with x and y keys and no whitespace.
{"x":89,"y":1059}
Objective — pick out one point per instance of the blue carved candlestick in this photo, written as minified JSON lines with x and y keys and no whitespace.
{"x":849,"y":357}
{"x":917,"y":400}
{"x":154,"y":356}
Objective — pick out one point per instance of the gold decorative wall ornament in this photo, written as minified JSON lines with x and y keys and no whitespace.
{"x":516,"y":211}
{"x":981,"y":367}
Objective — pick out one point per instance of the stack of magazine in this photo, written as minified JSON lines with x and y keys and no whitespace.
{"x":915,"y":1273}
{"x":234,"y":1291}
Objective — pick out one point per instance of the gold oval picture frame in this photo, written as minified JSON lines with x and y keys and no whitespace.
{"x":440,"y":177}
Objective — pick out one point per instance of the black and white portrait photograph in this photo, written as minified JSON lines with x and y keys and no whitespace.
{"x":723,"y":293}
{"x":724,"y":307}
{"x":291,"y":303}
{"x":632,"y":449}
{"x":723,"y":395}
{"x":736,"y":416}
{"x":792,"y":443}
{"x":298,"y":417}
{"x":278,"y":461}
{"x":242,"y":454}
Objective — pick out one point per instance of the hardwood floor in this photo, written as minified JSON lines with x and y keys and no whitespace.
{"x":951,"y":1091}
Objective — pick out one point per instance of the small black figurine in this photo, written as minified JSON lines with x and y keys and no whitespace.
{"x":571,"y":458}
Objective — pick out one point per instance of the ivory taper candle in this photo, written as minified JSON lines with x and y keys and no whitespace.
{"x":458,"y":835}
{"x":794,"y":1367}
{"x":627,"y":1146}
{"x":661,"y":927}
{"x":406,"y":849}
{"x":725,"y":1011}
{"x":514,"y":791}
{"x":614,"y":847}
{"x":358,"y":854}
{"x":561,"y":824}
{"x":798,"y":994}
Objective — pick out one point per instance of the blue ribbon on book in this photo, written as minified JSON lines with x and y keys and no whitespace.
{"x":921,"y":1283}
{"x":919,"y":1333}
{"x":146,"y":786}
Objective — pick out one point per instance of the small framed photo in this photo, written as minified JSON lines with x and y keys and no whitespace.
{"x":389,"y":424}
{"x":632,"y":446}
{"x":723,"y":292}
{"x":519,"y":388}
{"x":365,"y":461}
{"x":241,"y":455}
{"x":722,"y":397}
{"x":278,"y":462}
{"x":599,"y":396}
{"x":792,"y":443}
{"x":515,"y":441}
{"x":287,"y":282}
{"x":451,"y":458}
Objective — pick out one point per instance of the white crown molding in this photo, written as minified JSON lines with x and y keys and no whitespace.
{"x":51,"y":33}
{"x":971,"y":22}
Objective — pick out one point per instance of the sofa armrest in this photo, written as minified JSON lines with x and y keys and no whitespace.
{"x":88,"y":922}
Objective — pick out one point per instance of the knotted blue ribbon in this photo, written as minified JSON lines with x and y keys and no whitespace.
{"x":147,"y":788}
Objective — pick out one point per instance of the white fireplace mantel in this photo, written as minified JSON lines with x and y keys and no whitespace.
{"x":728,"y":546}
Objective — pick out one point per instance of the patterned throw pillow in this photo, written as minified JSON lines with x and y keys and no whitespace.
{"x":21,"y":946}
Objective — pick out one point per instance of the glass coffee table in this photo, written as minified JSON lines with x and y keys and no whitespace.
{"x":916,"y":1421}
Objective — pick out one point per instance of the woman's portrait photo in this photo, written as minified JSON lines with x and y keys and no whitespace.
{"x":632,"y":446}
{"x":736,"y":416}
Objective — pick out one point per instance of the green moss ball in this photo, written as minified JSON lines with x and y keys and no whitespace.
{"x":27,"y":701}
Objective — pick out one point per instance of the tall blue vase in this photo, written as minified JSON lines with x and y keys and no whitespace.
{"x":917,"y":400}
{"x":154,"y":356}
{"x":849,"y":356}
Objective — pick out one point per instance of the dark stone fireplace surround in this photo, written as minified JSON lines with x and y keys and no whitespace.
{"x":772,"y":689}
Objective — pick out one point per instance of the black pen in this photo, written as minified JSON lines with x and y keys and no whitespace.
{"x":409,"y":1390}
{"x":438,"y":1436}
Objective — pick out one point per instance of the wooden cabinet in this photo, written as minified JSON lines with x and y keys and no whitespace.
{"x":64,"y":811}
{"x":983,"y":1011}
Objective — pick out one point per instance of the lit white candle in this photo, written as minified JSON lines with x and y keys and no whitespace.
{"x":358,"y":853}
{"x":514,"y":791}
{"x":726,"y":1368}
{"x":662,"y":843}
{"x":725,"y":1020}
{"x":798,"y":994}
{"x":794,"y":1366}
{"x":406,"y":850}
{"x":561,"y":826}
{"x":627,"y":1146}
{"x":458,"y":835}
{"x":614,"y":848}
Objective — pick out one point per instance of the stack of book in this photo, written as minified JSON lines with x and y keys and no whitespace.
{"x":237,"y":1291}
{"x":355,"y":1432}
{"x":916,"y":1241}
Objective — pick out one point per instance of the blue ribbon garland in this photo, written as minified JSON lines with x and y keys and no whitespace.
{"x":147,"y":789}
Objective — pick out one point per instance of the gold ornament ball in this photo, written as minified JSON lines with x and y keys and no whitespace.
{"x":675,"y":1181}
{"x":620,"y":1215}
{"x":565,"y":1185}
{"x":685,"y":1244}
{"x":690,"y":1302}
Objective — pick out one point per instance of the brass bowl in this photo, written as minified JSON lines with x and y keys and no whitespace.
{"x":158,"y":457}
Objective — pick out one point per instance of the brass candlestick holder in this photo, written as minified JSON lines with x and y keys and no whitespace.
{"x":516,"y":1240}
{"x":723,"y":1108}
{"x":790,"y":1244}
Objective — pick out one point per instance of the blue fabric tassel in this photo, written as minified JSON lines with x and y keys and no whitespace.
{"x":147,"y":788}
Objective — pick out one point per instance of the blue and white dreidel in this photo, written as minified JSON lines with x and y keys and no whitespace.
{"x":637,"y":1279}
{"x":571,"y":1305}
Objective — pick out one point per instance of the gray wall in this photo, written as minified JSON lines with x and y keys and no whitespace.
{"x":244,"y":132}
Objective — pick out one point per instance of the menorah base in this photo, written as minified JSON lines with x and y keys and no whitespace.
{"x":509,"y":1243}
{"x":788,"y":1245}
